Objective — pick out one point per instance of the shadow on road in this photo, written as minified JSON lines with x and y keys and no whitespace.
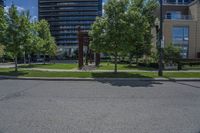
{"x":131,"y":83}
{"x":121,"y":83}
{"x":119,"y":75}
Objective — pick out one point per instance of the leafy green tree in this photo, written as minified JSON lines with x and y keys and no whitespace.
{"x":171,"y":54}
{"x":141,"y":19}
{"x":2,"y":48}
{"x":18,"y":33}
{"x":13,"y":36}
{"x":108,"y":33}
{"x":46,"y":43}
{"x":3,"y":24}
{"x":52,"y":47}
{"x":138,"y":26}
{"x":28,"y":31}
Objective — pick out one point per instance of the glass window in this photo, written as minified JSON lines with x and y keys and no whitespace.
{"x":171,"y":1}
{"x":173,"y":15}
{"x":180,"y":39}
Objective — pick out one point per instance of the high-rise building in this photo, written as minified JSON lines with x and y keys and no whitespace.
{"x":1,"y":3}
{"x":181,"y":26}
{"x":64,"y":16}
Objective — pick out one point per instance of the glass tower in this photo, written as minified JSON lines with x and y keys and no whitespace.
{"x":64,"y":16}
{"x":1,"y":3}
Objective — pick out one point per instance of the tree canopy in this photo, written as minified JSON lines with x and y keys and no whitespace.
{"x":20,"y":36}
{"x":125,"y":28}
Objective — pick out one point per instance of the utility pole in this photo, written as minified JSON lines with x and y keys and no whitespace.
{"x":161,"y":43}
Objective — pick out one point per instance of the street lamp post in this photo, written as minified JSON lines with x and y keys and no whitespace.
{"x":160,"y":71}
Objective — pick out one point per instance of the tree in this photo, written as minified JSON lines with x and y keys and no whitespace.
{"x":13,"y":36}
{"x":27,"y":28}
{"x":171,"y":54}
{"x":2,"y":47}
{"x":52,"y":47}
{"x":46,"y":43}
{"x":108,"y":33}
{"x":3,"y":24}
{"x":138,"y":26}
{"x":141,"y":19}
{"x":18,"y":33}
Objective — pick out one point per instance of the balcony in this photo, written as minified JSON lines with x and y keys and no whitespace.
{"x":177,"y":2}
{"x":180,"y":17}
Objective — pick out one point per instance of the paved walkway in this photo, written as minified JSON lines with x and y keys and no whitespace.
{"x":76,"y":70}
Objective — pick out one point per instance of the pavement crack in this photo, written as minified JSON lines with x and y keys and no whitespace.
{"x":18,"y":93}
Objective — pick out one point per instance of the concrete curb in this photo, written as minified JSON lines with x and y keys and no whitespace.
{"x":98,"y":79}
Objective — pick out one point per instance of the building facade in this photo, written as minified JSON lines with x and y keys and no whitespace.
{"x":181,"y":26}
{"x":1,"y":3}
{"x":64,"y":16}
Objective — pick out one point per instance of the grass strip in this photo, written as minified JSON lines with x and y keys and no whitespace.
{"x":33,"y":73}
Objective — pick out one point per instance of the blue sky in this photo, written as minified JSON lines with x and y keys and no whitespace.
{"x":31,"y":5}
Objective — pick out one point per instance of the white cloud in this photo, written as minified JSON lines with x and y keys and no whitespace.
{"x":19,"y":8}
{"x":34,"y":18}
{"x":103,"y":11}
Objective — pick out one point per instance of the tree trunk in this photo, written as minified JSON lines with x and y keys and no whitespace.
{"x":29,"y":59}
{"x":24,"y":57}
{"x":16,"y":67}
{"x":54,"y":60}
{"x":115,"y":62}
{"x":44,"y":62}
{"x":130,"y":63}
{"x":136,"y":60}
{"x":130,"y":60}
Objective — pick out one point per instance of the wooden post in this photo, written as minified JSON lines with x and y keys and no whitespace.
{"x":80,"y":49}
{"x":97,"y":59}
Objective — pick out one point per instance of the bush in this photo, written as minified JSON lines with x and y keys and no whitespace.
{"x":171,"y":54}
{"x":190,"y":62}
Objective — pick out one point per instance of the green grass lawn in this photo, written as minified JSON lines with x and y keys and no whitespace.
{"x":110,"y":66}
{"x":51,"y":66}
{"x":33,"y":73}
{"x":103,"y":66}
{"x":195,"y":67}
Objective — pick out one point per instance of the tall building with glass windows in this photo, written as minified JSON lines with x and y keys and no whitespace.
{"x":1,"y":3}
{"x":64,"y":16}
{"x":181,"y":26}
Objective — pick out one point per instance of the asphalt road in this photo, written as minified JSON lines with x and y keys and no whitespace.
{"x":99,"y":107}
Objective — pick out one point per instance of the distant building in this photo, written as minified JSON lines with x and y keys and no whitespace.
{"x":1,"y":2}
{"x":181,"y":26}
{"x":64,"y":16}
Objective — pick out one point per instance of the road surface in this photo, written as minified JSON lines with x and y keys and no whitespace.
{"x":99,"y":107}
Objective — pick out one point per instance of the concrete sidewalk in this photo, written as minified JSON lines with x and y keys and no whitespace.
{"x":76,"y":70}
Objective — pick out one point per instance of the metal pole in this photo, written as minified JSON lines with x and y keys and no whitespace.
{"x":160,"y":72}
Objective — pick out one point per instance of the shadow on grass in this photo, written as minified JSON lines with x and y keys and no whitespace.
{"x":138,"y":68}
{"x":13,"y":73}
{"x":132,"y":83}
